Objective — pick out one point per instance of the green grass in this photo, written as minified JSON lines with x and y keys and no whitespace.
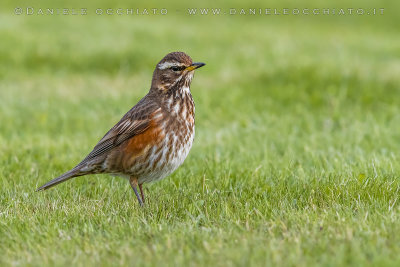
{"x":296,"y":157}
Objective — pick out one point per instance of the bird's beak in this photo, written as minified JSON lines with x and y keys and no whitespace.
{"x":195,"y":65}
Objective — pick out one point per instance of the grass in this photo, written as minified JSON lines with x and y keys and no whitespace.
{"x":295,"y":160}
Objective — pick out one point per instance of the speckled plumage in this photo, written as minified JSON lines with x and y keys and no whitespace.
{"x":152,"y":139}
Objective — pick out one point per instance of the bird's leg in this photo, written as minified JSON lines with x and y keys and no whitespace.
{"x":141,"y":192}
{"x":134,"y":182}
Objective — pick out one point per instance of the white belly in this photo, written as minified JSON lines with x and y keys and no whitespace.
{"x":172,"y":154}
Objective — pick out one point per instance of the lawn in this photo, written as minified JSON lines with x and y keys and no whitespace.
{"x":296,"y":160}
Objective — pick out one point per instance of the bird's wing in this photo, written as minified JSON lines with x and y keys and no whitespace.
{"x":135,"y":122}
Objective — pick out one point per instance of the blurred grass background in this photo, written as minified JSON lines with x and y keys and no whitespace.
{"x":296,"y":156}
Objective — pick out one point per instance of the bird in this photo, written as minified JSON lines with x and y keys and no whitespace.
{"x":154,"y":137}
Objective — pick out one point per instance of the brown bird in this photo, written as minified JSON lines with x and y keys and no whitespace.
{"x":154,"y":138}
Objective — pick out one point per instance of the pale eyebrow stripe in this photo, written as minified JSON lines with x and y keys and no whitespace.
{"x":167,"y":65}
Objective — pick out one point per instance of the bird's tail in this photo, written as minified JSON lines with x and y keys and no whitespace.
{"x":75,"y":172}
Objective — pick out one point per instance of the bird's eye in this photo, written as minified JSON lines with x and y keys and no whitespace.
{"x":176,"y":68}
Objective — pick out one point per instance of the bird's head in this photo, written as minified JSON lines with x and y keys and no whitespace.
{"x":175,"y":71}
